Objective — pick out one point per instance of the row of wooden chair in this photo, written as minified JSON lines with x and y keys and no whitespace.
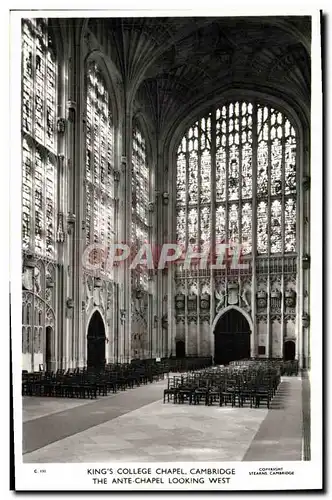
{"x":235,"y":385}
{"x":111,"y":378}
{"x":287,"y":368}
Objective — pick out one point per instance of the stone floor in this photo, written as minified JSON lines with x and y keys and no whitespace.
{"x":135,"y":426}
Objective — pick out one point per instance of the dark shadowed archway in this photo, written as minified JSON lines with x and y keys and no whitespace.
{"x":48,"y":342}
{"x":289,"y":350}
{"x":180,"y":349}
{"x":231,"y":338}
{"x":96,"y":342}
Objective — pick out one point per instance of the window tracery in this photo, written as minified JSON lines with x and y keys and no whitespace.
{"x":229,"y":133}
{"x":99,"y":167}
{"x":140,"y":201}
{"x":39,"y":172}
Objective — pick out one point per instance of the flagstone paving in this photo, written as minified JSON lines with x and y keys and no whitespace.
{"x":135,"y":426}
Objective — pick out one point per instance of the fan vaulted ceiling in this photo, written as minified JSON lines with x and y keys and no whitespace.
{"x":174,"y":62}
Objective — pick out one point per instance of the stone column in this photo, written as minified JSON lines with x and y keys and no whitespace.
{"x":303,"y":260}
{"x":72,"y":300}
{"x":79,"y":151}
{"x":254,"y":342}
{"x":125,"y":331}
{"x":304,"y":303}
{"x":170,"y":223}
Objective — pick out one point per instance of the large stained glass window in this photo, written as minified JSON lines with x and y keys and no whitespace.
{"x":99,"y":167}
{"x":216,"y":160}
{"x":140,"y":201}
{"x":39,"y":172}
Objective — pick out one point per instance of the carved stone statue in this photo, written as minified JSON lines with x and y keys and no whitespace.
{"x":89,"y":295}
{"x":245,"y":298}
{"x":220,"y":296}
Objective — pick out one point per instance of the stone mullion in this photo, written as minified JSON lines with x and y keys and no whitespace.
{"x":92,"y":170}
{"x":126,"y":327}
{"x":43,"y":209}
{"x":282,"y":307}
{"x":115,"y":269}
{"x":76,"y":130}
{"x":45,"y":153}
{"x":59,"y":270}
{"x":70,"y":271}
{"x":32,"y":322}
{"x":212,"y":222}
{"x":154,"y":282}
{"x":172,"y":222}
{"x":45,"y":96}
{"x":240,"y":176}
{"x":186,"y":272}
{"x":254,"y":334}
{"x":153,"y":240}
{"x":83,"y":186}
{"x":91,"y":183}
{"x":302,"y":276}
{"x":161,"y":272}
{"x":33,"y":166}
{"x":33,"y":186}
{"x":62,"y":209}
{"x":226,"y":192}
{"x":305,"y":243}
{"x":269,"y":327}
{"x":199,"y":158}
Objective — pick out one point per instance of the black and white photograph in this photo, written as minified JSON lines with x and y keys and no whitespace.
{"x":167,"y":168}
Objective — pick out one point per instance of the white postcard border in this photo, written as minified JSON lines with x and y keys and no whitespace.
{"x":307,"y":475}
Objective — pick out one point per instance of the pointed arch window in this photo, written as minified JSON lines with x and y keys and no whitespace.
{"x":140,"y":198}
{"x":39,"y":172}
{"x":99,"y":167}
{"x":216,"y":160}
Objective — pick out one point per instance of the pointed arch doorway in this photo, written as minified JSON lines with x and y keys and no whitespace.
{"x":96,"y":342}
{"x":48,"y":348}
{"x":289,"y":350}
{"x":231,"y":337}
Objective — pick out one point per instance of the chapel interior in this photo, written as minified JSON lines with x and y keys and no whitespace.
{"x":166,"y":240}
{"x":186,"y":130}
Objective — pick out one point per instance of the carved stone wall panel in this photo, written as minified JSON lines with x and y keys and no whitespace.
{"x":37,"y":341}
{"x":220,"y":282}
{"x":204,"y":318}
{"x":191,"y":348}
{"x":180,"y":303}
{"x":233,"y":292}
{"x":204,"y":336}
{"x":192,"y":319}
{"x":109,"y":300}
{"x":191,"y":302}
{"x":205,"y":285}
{"x":276,"y":337}
{"x":192,"y":286}
{"x":261,"y":301}
{"x":50,"y":318}
{"x":275,"y":293}
{"x":261,"y":318}
{"x":290,"y":328}
{"x":290,"y":297}
{"x":205,"y":302}
{"x":262,"y":281}
{"x":245,"y":281}
{"x":180,"y":286}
